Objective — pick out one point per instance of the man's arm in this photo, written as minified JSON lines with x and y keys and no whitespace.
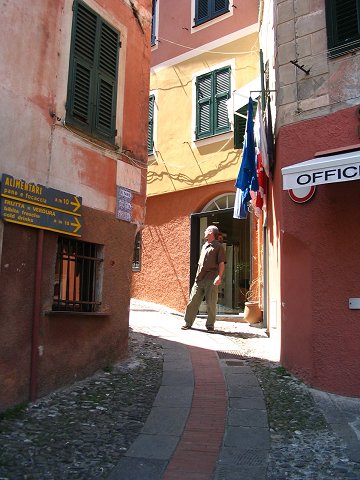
{"x":221,"y":269}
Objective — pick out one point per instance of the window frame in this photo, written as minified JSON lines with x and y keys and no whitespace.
{"x":211,"y":11}
{"x":213,"y":100}
{"x":78,"y":276}
{"x":136,"y":261}
{"x":154,"y":22}
{"x":93,"y":74}
{"x":336,"y":46}
{"x":151,"y":124}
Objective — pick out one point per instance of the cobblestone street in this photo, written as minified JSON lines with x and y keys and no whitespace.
{"x":82,"y":432}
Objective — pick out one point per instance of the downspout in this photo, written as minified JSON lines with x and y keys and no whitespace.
{"x":34,"y":374}
{"x":265,"y":254}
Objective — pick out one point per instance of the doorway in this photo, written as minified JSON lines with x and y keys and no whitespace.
{"x":235,"y":236}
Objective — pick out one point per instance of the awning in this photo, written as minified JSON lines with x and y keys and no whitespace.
{"x":240,"y":97}
{"x":342,"y":167}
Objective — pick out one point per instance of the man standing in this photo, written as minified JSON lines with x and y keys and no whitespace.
{"x":208,"y":278}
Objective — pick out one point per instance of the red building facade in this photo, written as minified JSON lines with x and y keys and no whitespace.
{"x":72,"y":193}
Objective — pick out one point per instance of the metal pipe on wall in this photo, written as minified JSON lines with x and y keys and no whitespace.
{"x":36,"y":318}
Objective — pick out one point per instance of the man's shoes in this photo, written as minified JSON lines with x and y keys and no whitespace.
{"x":210,"y":329}
{"x":185,"y":327}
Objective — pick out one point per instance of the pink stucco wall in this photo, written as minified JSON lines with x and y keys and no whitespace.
{"x":175,"y":24}
{"x":320,"y":262}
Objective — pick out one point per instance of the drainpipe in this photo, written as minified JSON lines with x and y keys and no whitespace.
{"x":36,"y":318}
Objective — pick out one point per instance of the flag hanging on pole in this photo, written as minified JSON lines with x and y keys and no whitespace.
{"x":247,"y":179}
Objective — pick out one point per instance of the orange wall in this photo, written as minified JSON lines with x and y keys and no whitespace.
{"x":164,"y":276}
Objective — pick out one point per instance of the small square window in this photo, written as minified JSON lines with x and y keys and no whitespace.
{"x":206,"y":10}
{"x":77,"y":276}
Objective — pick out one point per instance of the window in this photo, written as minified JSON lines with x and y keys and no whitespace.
{"x":136,"y":263}
{"x":206,"y":10}
{"x":151,"y":125}
{"x":240,"y":124}
{"x":77,"y":276}
{"x":212,"y":92}
{"x":343,"y":26}
{"x":153,"y":23}
{"x":93,"y":73}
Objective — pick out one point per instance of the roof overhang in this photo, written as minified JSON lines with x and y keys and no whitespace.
{"x":342,"y":167}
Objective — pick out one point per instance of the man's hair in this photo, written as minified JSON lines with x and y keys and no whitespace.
{"x":214,"y":230}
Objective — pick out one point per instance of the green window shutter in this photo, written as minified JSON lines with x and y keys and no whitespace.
{"x":343,"y":25}
{"x":151,"y":125}
{"x":206,"y":10}
{"x":107,"y":82}
{"x":93,"y":73}
{"x":221,"y":6}
{"x":222,"y":94}
{"x":212,"y":93}
{"x":81,"y":66}
{"x":202,"y":11}
{"x":204,"y":94}
{"x":153,"y":23}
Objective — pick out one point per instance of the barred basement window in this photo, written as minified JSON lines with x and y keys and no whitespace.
{"x":77,"y":276}
{"x":136,"y":263}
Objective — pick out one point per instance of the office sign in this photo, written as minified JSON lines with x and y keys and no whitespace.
{"x":322,"y":170}
{"x":35,"y":205}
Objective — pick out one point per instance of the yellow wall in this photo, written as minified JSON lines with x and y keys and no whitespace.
{"x":179,"y":162}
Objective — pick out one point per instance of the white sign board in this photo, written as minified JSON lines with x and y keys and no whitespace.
{"x":322,"y":170}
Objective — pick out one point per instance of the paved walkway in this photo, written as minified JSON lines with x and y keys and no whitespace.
{"x":208,"y":420}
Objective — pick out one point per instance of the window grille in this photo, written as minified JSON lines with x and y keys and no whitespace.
{"x":77,"y":275}
{"x":136,"y":263}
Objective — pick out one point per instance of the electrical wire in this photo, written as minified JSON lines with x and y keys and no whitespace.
{"x":207,"y":51}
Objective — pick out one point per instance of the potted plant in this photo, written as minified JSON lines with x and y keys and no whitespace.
{"x":252,"y":310}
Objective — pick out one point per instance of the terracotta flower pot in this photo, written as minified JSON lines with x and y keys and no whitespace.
{"x":252,"y":312}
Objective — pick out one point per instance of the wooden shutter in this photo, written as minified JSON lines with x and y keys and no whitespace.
{"x":222,"y":94}
{"x":204,"y":93}
{"x":346,"y":20}
{"x":220,"y":6}
{"x":153,"y":23}
{"x":202,"y":11}
{"x":93,"y":72}
{"x":207,"y":9}
{"x":106,"y":74}
{"x":151,"y":125}
{"x":83,"y":58}
{"x":343,"y":25}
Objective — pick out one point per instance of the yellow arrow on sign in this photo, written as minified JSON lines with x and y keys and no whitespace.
{"x":76,"y":204}
{"x":77,"y":225}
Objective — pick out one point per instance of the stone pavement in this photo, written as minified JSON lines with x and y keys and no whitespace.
{"x":185,"y":405}
{"x":209,"y":419}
